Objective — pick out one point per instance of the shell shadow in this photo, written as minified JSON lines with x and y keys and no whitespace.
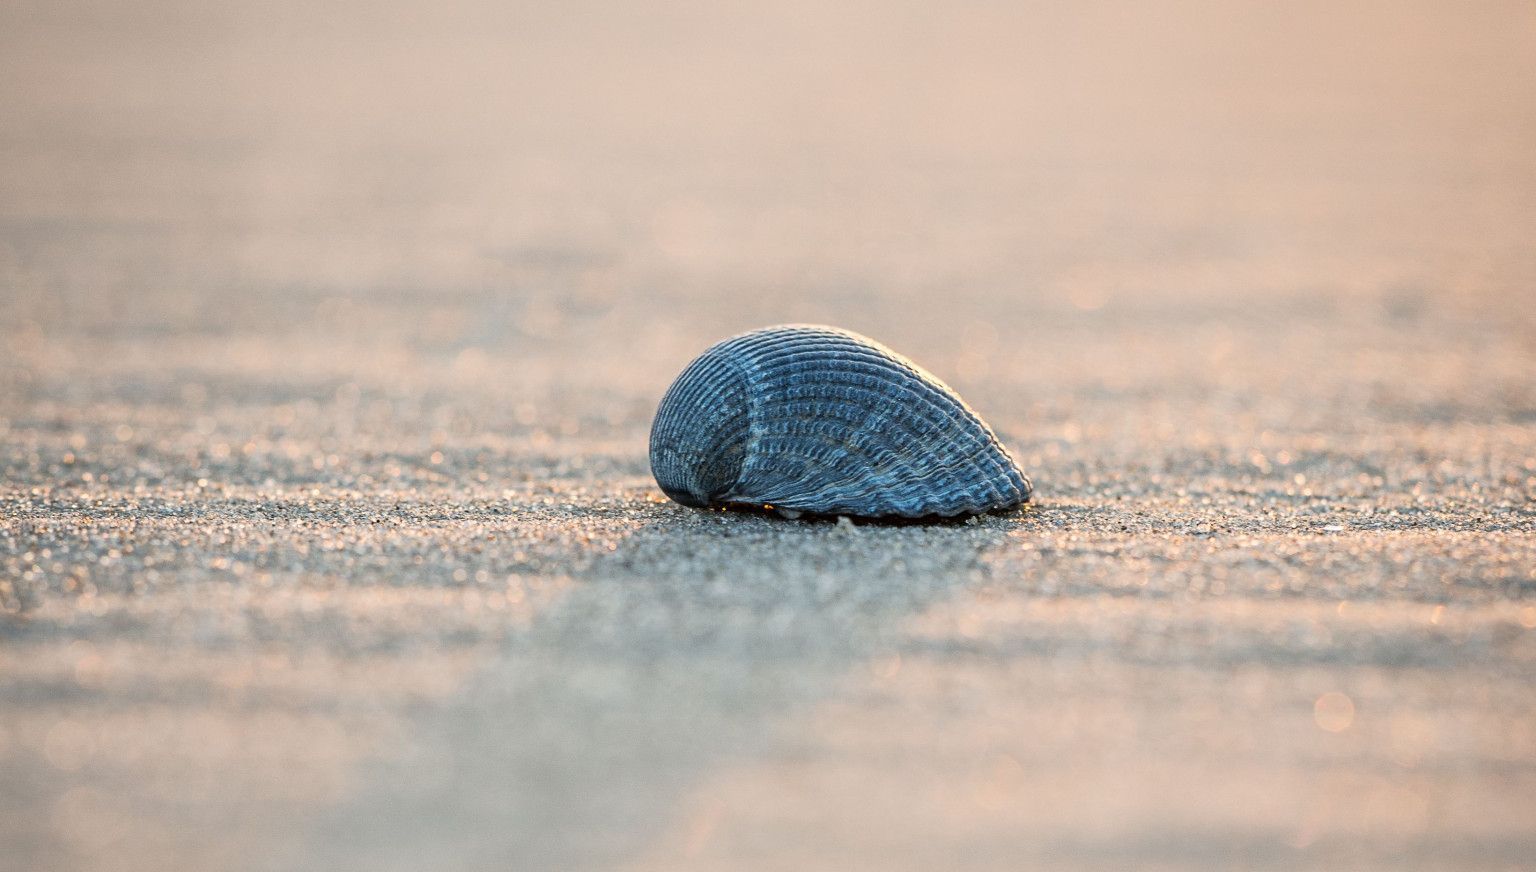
{"x":880,"y":520}
{"x":694,"y":643}
{"x":893,"y":567}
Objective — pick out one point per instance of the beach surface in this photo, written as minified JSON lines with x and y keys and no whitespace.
{"x":330,"y":336}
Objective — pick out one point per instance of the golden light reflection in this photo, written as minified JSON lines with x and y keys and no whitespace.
{"x":1409,"y":738}
{"x":90,"y":668}
{"x":886,"y":665}
{"x":701,"y":828}
{"x":69,"y":745}
{"x":1334,"y":712}
{"x":88,"y":818}
{"x":1000,"y":783}
{"x":1088,"y":298}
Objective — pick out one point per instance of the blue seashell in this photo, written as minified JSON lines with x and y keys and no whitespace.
{"x":809,"y":419}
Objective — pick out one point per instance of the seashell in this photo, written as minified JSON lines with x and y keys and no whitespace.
{"x":818,"y":420}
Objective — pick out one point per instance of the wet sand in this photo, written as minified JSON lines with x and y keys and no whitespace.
{"x":329,"y":342}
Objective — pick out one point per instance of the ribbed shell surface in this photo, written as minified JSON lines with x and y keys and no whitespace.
{"x":822,"y":420}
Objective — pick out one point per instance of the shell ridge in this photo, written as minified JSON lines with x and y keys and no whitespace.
{"x":891,"y":471}
{"x":824,"y":420}
{"x":795,"y":492}
{"x":952,"y":416}
{"x":943,"y":409}
{"x":705,"y":388}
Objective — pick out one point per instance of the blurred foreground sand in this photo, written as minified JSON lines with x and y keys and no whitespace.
{"x":329,"y":340}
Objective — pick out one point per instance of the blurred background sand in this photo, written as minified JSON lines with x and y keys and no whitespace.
{"x":331,"y":335}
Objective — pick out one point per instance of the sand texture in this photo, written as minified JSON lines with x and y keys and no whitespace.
{"x":330,"y":336}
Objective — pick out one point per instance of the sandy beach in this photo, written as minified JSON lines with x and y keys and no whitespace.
{"x":330,"y":339}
